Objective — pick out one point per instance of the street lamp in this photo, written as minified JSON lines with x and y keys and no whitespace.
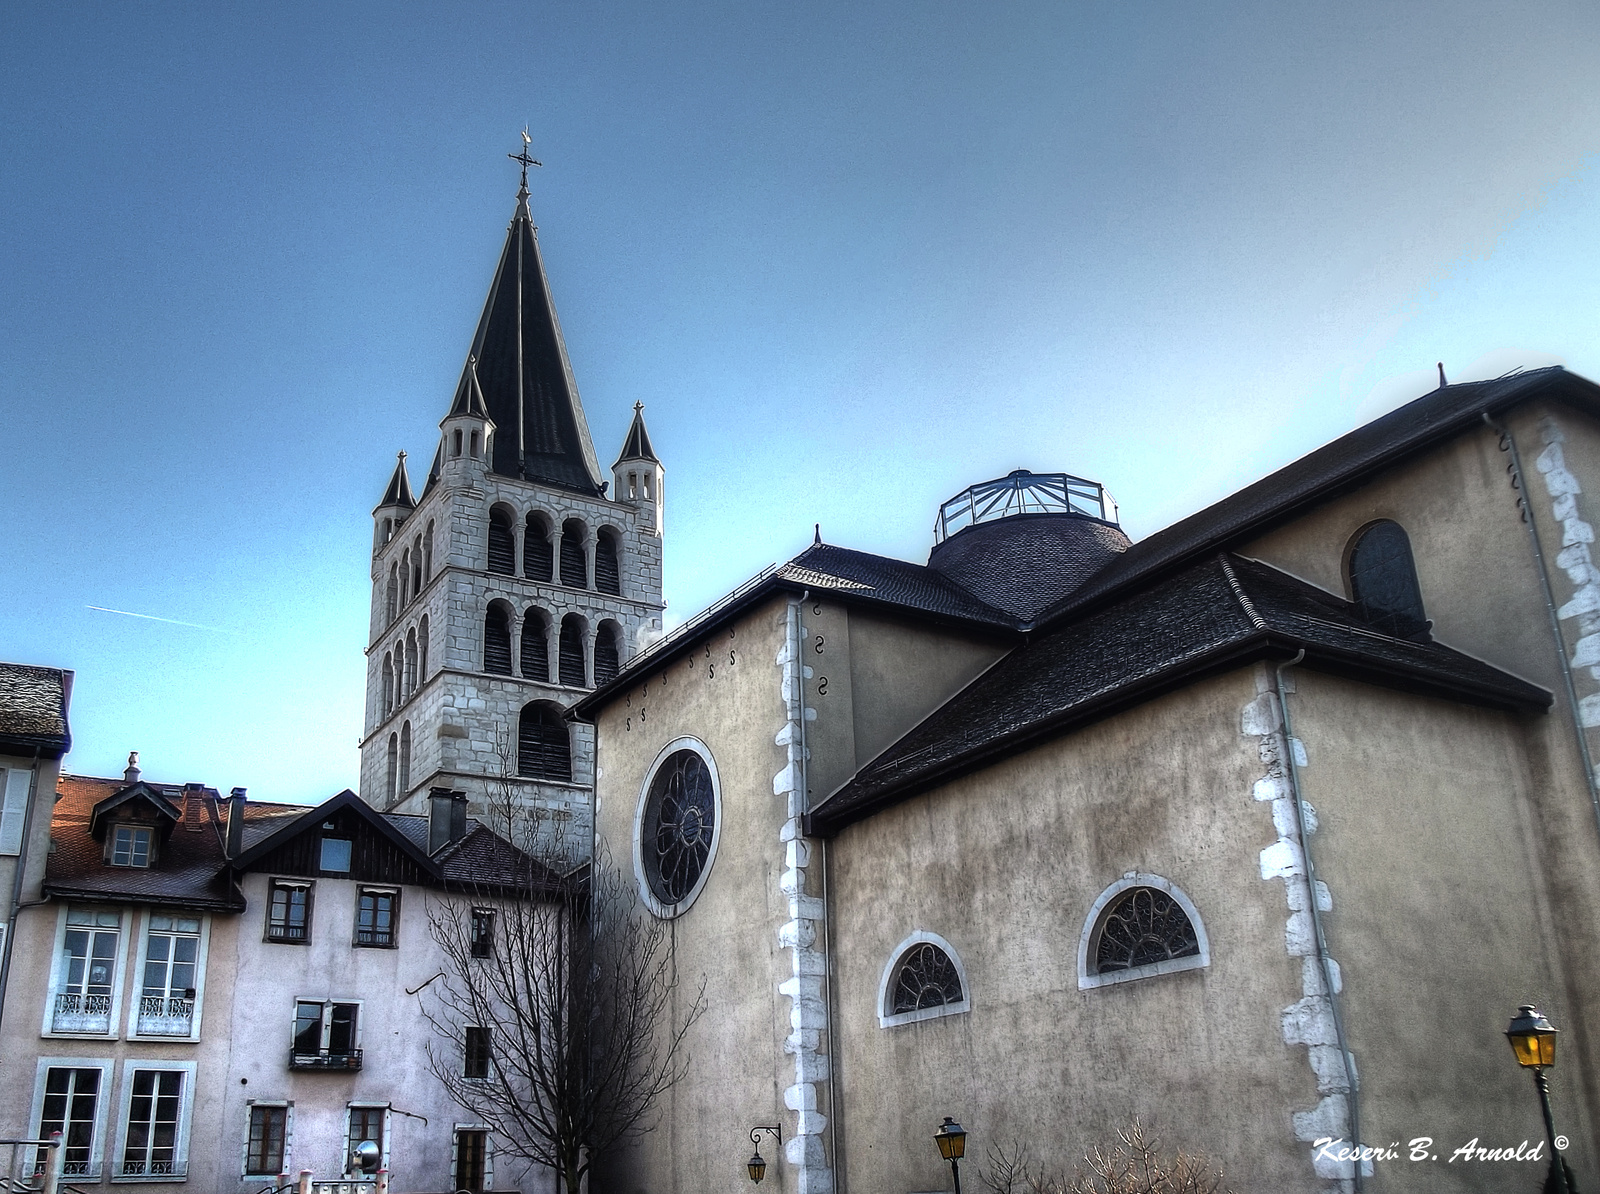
{"x":952,"y":1141}
{"x":757,"y":1165}
{"x":1533,"y":1040}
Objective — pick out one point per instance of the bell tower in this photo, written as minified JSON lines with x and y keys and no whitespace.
{"x":516,"y":583}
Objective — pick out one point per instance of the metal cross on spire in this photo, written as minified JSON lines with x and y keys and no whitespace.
{"x":525,"y":160}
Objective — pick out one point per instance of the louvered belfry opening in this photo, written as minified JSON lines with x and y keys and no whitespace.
{"x":544,"y":750}
{"x":538,"y":558}
{"x":574,"y":564}
{"x":497,"y":640}
{"x":535,"y":647}
{"x":502,"y":544}
{"x":607,"y":661}
{"x":607,"y":575}
{"x":572,"y":651}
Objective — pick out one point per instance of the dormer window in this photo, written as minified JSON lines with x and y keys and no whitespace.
{"x":130,"y":845}
{"x":336,"y":855}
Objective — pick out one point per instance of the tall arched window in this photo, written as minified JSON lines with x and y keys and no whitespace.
{"x":607,"y":574}
{"x":1383,"y":581}
{"x":544,"y":749}
{"x":416,"y":567}
{"x":405,"y":577}
{"x":427,"y":553}
{"x":422,"y":650}
{"x":411,"y":663}
{"x":388,"y":684}
{"x":538,"y":557}
{"x":571,"y":651}
{"x":607,"y":653}
{"x":497,"y":639}
{"x":502,"y":543}
{"x":394,"y":763}
{"x":392,"y":603}
{"x":405,"y":760}
{"x":1141,"y":926}
{"x":923,"y":979}
{"x":574,"y":557}
{"x":536,"y":646}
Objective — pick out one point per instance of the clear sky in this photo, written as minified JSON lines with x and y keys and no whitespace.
{"x":852,"y":257}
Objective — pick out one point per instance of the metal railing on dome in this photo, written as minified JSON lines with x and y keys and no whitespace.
{"x":1022,"y":492}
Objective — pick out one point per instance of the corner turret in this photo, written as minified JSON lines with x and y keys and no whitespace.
{"x":637,"y":475}
{"x":395,"y":507}
{"x":466,"y":446}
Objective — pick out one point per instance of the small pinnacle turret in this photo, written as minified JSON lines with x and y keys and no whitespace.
{"x":637,"y":444}
{"x":399,"y":491}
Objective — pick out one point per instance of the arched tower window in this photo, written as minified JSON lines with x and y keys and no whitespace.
{"x":923,"y":979}
{"x":388,"y":684}
{"x":607,"y":653}
{"x":574,"y":560}
{"x":422,"y":651}
{"x":544,"y":749}
{"x":497,"y":638}
{"x":405,"y":761}
{"x":538,"y":557}
{"x":393,"y":765}
{"x":411,"y":663}
{"x":427,"y":554}
{"x":392,"y":601}
{"x":607,"y":574}
{"x":455,"y":447}
{"x":416,"y":567}
{"x":405,"y":577}
{"x":1141,"y":926}
{"x":571,"y":651}
{"x":502,"y":543}
{"x":1383,"y":581}
{"x":536,"y":646}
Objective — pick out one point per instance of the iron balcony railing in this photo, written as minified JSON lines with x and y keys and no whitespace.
{"x":165,"y":1015}
{"x":1022,"y":492}
{"x":139,"y":1167}
{"x":350,"y":1060}
{"x":77,"y":1012}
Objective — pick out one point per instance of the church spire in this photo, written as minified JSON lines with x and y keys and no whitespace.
{"x":522,"y":370}
{"x":637,"y":445}
{"x":399,"y":491}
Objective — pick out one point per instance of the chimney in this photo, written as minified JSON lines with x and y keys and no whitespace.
{"x":193,"y":815}
{"x":235,"y":836}
{"x":131,"y":775}
{"x":447,"y":818}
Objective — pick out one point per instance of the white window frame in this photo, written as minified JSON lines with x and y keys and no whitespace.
{"x":125,"y":918}
{"x":288,"y":1140}
{"x":1088,"y":981}
{"x":199,"y":976}
{"x":488,"y":1151}
{"x":657,"y":908}
{"x":185,"y":1117}
{"x":97,"y":1150}
{"x":888,"y":1019}
{"x":133,"y":829}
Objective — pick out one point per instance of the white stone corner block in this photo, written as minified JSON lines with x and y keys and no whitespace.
{"x":802,"y":1096}
{"x":1309,"y":1021}
{"x":1589,"y":710}
{"x":804,"y":1150}
{"x":1260,"y":716}
{"x":1330,"y":1117}
{"x":1282,"y":860}
{"x":815,"y":1180}
{"x":811,"y":1067}
{"x":1273,"y":787}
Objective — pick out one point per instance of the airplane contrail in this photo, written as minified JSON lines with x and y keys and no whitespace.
{"x":128,"y":613}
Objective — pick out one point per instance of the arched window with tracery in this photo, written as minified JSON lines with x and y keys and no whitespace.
{"x":1141,"y":926}
{"x":388,"y":684}
{"x":538,"y":557}
{"x":1383,"y":581}
{"x":497,"y":638}
{"x":607,"y":571}
{"x":571,"y":663}
{"x":607,"y":653}
{"x":677,"y":827}
{"x":574,"y":557}
{"x":502,"y":542}
{"x":405,"y":760}
{"x":411,"y":663}
{"x":544,"y":748}
{"x":393,"y":765}
{"x":536,"y":646}
{"x":422,"y":650}
{"x":923,"y":979}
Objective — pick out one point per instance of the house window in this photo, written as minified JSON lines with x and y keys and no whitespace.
{"x":483,"y":932}
{"x":376,"y":914}
{"x":289,"y":912}
{"x":88,"y":971}
{"x":1139,"y":927}
{"x":171,"y":965}
{"x":472,"y":1160}
{"x":71,"y":1103}
{"x":130,"y":845}
{"x":336,"y":855}
{"x":325,"y":1036}
{"x":1383,"y":582}
{"x":366,"y":1123}
{"x":476,"y":1054}
{"x":150,"y":1147}
{"x":269,"y":1131}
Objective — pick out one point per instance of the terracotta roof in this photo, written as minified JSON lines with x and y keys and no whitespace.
{"x":33,"y":710}
{"x":1215,"y":616}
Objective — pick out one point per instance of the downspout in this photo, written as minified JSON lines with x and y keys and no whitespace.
{"x":1323,"y":960}
{"x":1509,"y":444}
{"x":17,"y":880}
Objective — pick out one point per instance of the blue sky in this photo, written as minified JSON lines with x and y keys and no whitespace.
{"x":852,"y":258}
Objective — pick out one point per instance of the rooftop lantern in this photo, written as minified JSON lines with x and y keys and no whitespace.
{"x":1022,"y":492}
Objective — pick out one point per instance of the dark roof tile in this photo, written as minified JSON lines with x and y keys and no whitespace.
{"x":33,"y":709}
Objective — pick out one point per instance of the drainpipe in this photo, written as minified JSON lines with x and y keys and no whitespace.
{"x":17,"y":881}
{"x":1323,"y":960}
{"x":1509,"y":444}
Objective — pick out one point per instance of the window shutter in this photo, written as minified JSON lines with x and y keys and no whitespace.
{"x":15,"y":811}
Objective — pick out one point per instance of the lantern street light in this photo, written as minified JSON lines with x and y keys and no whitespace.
{"x":757,"y":1165}
{"x":1533,"y":1040}
{"x":952,"y":1141}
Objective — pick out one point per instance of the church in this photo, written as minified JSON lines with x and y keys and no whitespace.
{"x":1259,"y":829}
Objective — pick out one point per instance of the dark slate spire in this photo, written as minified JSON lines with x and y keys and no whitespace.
{"x":525,"y":378}
{"x":399,"y":491}
{"x":637,"y":445}
{"x":469,"y":396}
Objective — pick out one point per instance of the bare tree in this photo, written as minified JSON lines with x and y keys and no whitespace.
{"x":556,"y":1009}
{"x":1134,"y":1164}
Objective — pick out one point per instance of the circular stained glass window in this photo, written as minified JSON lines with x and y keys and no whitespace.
{"x":680,"y":817}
